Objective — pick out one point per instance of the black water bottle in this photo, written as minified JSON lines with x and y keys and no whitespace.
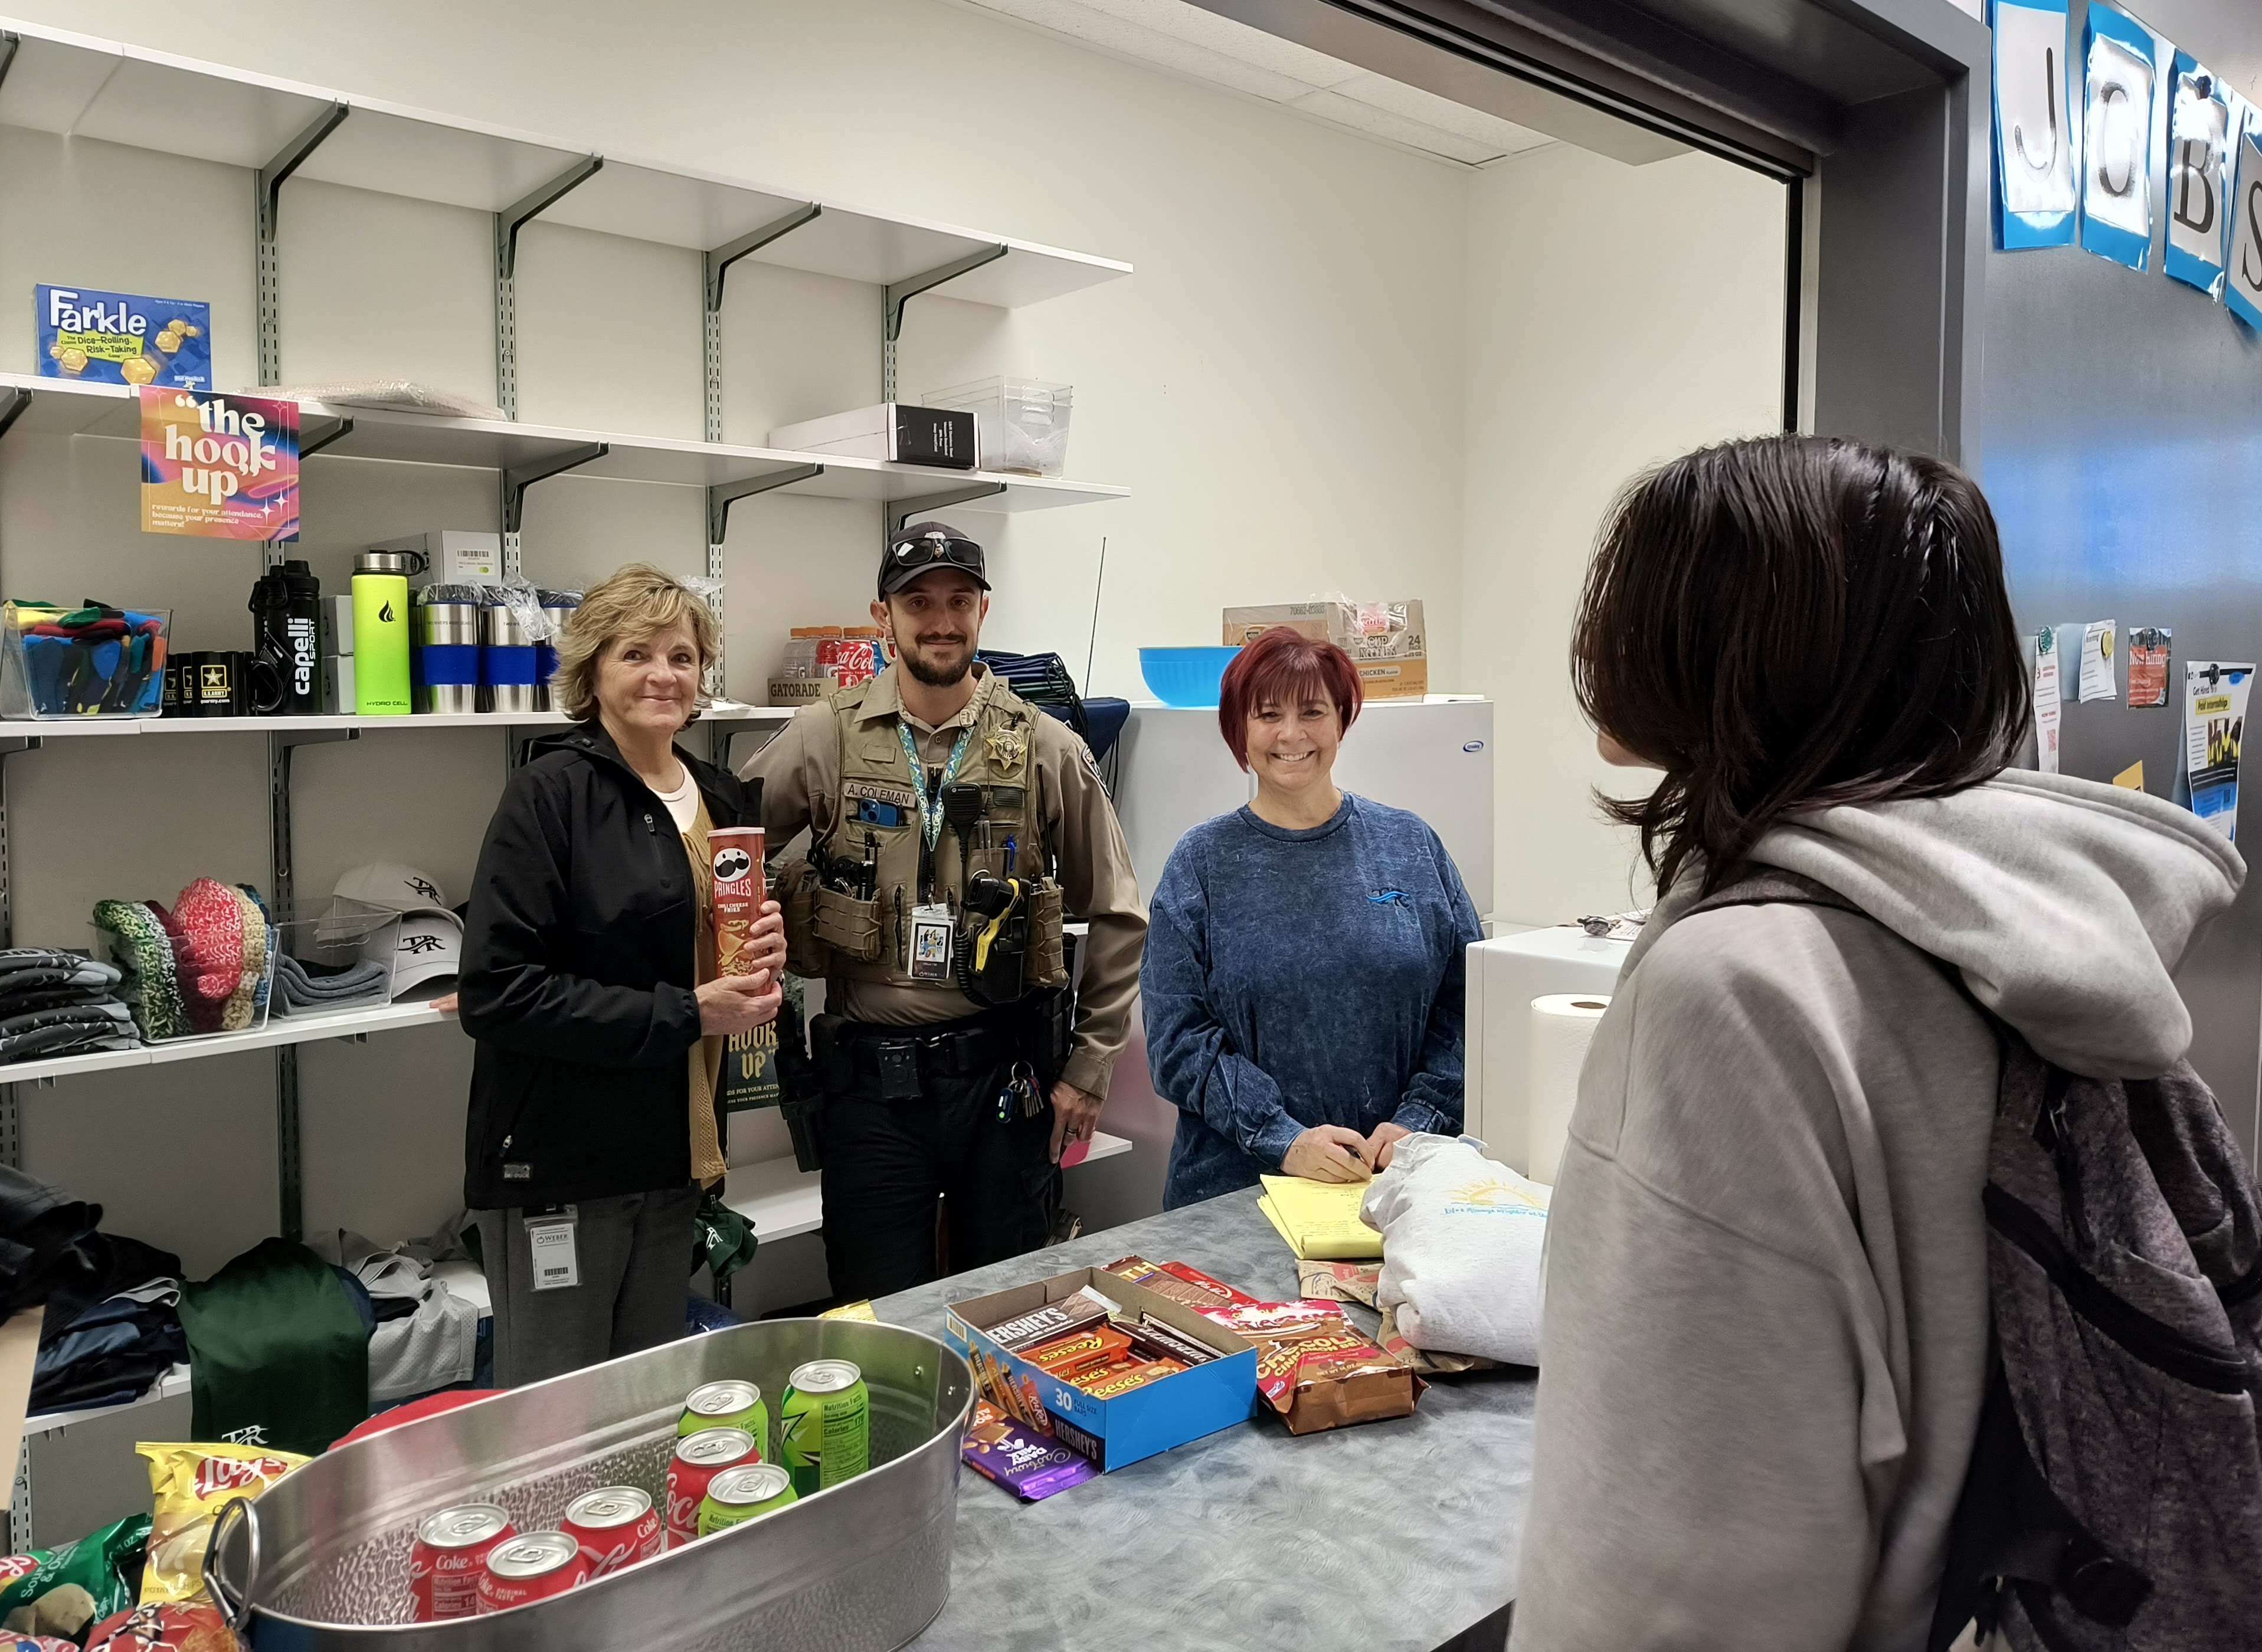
{"x":286,"y":605}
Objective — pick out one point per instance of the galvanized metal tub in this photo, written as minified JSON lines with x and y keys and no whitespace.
{"x":320,"y":1562}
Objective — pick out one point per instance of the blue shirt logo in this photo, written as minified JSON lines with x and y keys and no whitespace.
{"x":1388,"y":897}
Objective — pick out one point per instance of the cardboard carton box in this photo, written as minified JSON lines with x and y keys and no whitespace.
{"x":1387,"y":641}
{"x":1113,"y":1433}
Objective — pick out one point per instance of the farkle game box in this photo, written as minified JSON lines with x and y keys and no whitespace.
{"x":1131,"y":1427}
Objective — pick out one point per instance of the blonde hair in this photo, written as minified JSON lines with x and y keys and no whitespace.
{"x":639,"y":601}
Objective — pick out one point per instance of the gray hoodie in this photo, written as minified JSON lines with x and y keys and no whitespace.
{"x":1766,"y":1319}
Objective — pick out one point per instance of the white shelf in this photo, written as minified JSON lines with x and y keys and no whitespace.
{"x":782,"y":1200}
{"x":61,"y":407}
{"x":82,"y":86}
{"x":173,"y":1385}
{"x":279,"y":1029}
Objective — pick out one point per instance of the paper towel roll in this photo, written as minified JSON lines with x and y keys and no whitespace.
{"x":1562,"y":1027}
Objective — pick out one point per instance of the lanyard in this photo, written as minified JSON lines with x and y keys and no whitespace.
{"x":930,"y":817}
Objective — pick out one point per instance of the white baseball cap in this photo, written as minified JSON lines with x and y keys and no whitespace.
{"x":429,"y":944}
{"x":389,"y":883}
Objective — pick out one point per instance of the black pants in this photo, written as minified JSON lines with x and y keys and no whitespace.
{"x":886,"y":1162}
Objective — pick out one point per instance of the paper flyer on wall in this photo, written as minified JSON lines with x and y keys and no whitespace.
{"x":2046,"y":700}
{"x":218,"y":467}
{"x":2149,"y":648}
{"x":2097,"y":681}
{"x":2214,"y":722}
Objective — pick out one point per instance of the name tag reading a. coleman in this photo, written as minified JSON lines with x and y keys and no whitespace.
{"x":551,"y":1243}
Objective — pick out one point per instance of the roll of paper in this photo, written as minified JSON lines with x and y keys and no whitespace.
{"x":1562,"y":1026}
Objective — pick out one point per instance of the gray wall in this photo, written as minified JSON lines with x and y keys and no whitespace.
{"x":2122,"y":425}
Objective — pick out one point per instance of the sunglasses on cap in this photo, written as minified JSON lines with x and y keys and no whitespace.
{"x":921,"y":549}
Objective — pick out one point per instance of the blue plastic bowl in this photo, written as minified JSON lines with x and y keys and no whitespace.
{"x":1185,"y":676}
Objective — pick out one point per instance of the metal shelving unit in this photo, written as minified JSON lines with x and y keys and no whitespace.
{"x":278,"y":131}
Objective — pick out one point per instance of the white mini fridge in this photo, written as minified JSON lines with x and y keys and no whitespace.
{"x":1504,"y":975}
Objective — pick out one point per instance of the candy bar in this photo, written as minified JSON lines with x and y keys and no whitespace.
{"x":1177,"y":1282}
{"x":1054,"y":1319}
{"x":1027,"y":1461}
{"x":1319,"y":1371}
{"x":1079,"y":1351}
{"x":1157,"y":1339}
{"x":1115,"y":1383}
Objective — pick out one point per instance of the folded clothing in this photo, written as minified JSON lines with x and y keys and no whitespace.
{"x":1462,"y":1238}
{"x":113,"y":1352}
{"x":298,"y":990}
{"x":41,"y":1227}
{"x":152,"y":986}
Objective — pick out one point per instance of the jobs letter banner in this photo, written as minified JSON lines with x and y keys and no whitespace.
{"x":218,"y":467}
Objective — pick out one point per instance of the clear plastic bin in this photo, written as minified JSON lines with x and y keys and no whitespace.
{"x":344,"y":952}
{"x":165,"y":1015}
{"x":1023,"y":422}
{"x":60,"y":663}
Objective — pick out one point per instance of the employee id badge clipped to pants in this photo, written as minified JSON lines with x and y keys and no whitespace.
{"x":549,"y":1235}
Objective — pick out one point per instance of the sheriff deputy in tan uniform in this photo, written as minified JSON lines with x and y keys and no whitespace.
{"x":954,"y":826}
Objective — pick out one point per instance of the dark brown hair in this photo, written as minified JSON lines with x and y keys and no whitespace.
{"x":1790,"y":623}
{"x":1284,"y":667}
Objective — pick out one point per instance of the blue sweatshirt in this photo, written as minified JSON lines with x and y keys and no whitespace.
{"x":1302,"y":978}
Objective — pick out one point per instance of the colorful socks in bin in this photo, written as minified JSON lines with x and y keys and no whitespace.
{"x":91,"y":660}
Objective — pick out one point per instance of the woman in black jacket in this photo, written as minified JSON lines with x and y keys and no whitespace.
{"x":588,"y":983}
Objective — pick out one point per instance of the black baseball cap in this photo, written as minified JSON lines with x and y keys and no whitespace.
{"x":924,"y":546}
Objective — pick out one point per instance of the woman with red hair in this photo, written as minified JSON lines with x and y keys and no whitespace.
{"x":1302,"y":981}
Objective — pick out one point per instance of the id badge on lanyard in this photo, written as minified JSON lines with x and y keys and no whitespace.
{"x":550,"y":1239}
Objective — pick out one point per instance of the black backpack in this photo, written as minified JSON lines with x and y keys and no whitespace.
{"x":2114,"y":1495}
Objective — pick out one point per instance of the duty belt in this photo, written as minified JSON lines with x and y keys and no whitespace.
{"x":961,"y":1050}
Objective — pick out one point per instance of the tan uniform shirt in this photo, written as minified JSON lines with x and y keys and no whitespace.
{"x":800,"y":772}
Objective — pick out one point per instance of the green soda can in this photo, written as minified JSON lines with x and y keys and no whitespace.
{"x":824,"y":1425}
{"x":744,"y":1493}
{"x":730,"y":1404}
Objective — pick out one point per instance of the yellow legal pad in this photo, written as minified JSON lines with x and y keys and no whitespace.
{"x":1320,"y":1220}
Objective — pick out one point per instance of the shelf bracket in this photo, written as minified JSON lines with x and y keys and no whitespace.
{"x":8,"y":41}
{"x":515,"y":482}
{"x":16,"y":404}
{"x":720,"y":260}
{"x":508,"y":222}
{"x":336,"y":430}
{"x":902,"y":510}
{"x":896,"y":295}
{"x":723,"y":495}
{"x":267,"y":184}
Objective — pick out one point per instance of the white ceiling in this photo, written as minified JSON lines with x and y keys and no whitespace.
{"x":1184,"y":39}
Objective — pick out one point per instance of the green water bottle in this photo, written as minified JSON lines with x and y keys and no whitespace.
{"x":381,"y":600}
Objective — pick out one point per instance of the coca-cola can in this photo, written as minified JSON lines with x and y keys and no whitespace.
{"x":698,"y":1459}
{"x":535,"y":1567}
{"x":615,"y":1525}
{"x":450,"y":1556}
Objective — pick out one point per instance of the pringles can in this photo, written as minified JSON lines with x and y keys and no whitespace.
{"x":698,"y":1459}
{"x":616,"y":1525}
{"x":737,"y":1495}
{"x":736,"y":858}
{"x":538,"y":1566}
{"x":825,"y":1425}
{"x":450,"y":1556}
{"x":726,"y":1405}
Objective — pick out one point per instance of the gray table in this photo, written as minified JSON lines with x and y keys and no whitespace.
{"x":1399,"y":1534}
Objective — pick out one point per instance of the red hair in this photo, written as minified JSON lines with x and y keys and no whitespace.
{"x":1284,"y":667}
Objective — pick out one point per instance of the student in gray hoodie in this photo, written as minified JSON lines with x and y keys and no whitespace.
{"x":1766,"y":1323}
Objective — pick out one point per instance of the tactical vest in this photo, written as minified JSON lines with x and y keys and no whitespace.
{"x":833,"y":931}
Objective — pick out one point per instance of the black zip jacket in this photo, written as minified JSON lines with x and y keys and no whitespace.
{"x":578,"y":962}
